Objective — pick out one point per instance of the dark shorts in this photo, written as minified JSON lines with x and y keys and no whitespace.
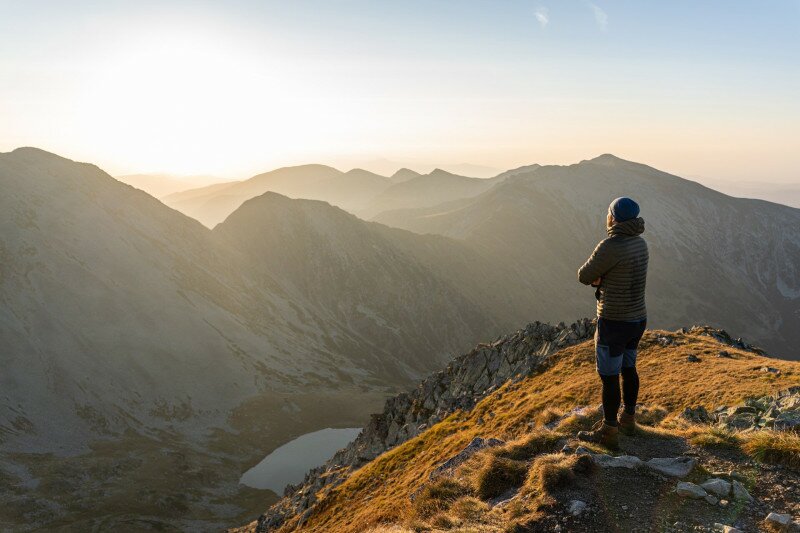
{"x":615,"y":344}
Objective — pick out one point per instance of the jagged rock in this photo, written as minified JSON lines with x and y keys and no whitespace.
{"x":665,"y":340}
{"x":577,"y":507}
{"x":690,"y":490}
{"x":696,"y":414}
{"x":674,"y":467}
{"x":778,"y":522}
{"x":740,"y":493}
{"x":580,"y":450}
{"x":471,"y":449}
{"x":770,"y":370}
{"x":717,"y":486}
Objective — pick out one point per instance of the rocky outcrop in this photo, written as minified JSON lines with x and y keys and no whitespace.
{"x":460,"y":386}
{"x":780,"y":411}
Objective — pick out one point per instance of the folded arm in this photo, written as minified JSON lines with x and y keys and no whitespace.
{"x":601,"y":261}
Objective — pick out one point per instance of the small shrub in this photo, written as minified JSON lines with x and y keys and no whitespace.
{"x":497,"y":475}
{"x":555,"y":471}
{"x":438,"y":496}
{"x":714,"y":437}
{"x":530,"y":445}
{"x":776,"y":447}
{"x":469,"y":508}
{"x":650,"y":416}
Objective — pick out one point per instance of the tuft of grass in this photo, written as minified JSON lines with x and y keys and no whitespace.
{"x":497,"y":475}
{"x":650,"y":415}
{"x":776,"y":447}
{"x":438,"y":496}
{"x":547,"y":416}
{"x":442,"y":521}
{"x":574,"y":423}
{"x":713,"y":437}
{"x":469,"y":508}
{"x":526,"y":447}
{"x":556,"y":471}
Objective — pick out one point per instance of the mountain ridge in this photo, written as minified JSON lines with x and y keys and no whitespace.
{"x":373,"y":483}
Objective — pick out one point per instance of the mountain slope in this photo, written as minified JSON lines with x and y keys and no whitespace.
{"x":159,"y":185}
{"x":426,"y":477}
{"x":135,"y":340}
{"x":397,"y":309}
{"x":349,"y":190}
{"x":426,"y":190}
{"x":357,"y":191}
{"x":713,"y":258}
{"x":108,"y":297}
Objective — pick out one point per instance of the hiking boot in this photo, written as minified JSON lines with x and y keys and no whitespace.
{"x":627,"y":423}
{"x":602,"y":434}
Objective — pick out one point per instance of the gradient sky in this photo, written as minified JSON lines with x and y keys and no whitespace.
{"x":703,"y":89}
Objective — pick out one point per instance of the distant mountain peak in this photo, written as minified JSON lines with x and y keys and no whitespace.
{"x":404,"y":174}
{"x":441,"y":172}
{"x":606,"y":159}
{"x":31,"y":151}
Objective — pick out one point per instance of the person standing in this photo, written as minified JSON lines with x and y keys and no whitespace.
{"x":618,"y":270}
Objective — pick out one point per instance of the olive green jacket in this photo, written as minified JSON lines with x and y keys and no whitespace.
{"x":620,"y":261}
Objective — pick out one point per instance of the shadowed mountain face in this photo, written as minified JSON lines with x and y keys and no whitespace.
{"x":133,"y":336}
{"x":357,"y":191}
{"x":381,"y":283}
{"x":727,"y":261}
{"x":123,"y":306}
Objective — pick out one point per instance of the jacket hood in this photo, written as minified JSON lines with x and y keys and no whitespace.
{"x":632,"y":227}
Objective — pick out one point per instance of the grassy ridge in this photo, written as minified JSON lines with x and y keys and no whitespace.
{"x":379,"y":492}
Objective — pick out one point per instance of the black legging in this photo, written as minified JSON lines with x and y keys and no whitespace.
{"x":611,"y":394}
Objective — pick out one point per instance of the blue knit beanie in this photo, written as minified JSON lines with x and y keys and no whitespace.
{"x":623,"y":209}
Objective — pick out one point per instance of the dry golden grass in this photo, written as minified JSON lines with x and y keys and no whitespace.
{"x":534,"y":443}
{"x":497,"y":475}
{"x":379,"y":492}
{"x":777,"y":447}
{"x":555,"y":471}
{"x":469,"y":508}
{"x":712,"y":437}
{"x":438,"y":496}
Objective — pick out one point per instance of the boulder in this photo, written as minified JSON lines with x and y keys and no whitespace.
{"x":673,"y":466}
{"x":717,"y":486}
{"x":740,"y":493}
{"x":690,"y":490}
{"x":778,"y":522}
{"x":623,"y":461}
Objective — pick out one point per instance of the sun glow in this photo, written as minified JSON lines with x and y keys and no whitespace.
{"x":187,"y":105}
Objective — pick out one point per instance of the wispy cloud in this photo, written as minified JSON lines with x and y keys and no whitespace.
{"x":600,"y":16}
{"x":542,"y":15}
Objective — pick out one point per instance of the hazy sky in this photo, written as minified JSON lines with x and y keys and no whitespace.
{"x":703,"y":89}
